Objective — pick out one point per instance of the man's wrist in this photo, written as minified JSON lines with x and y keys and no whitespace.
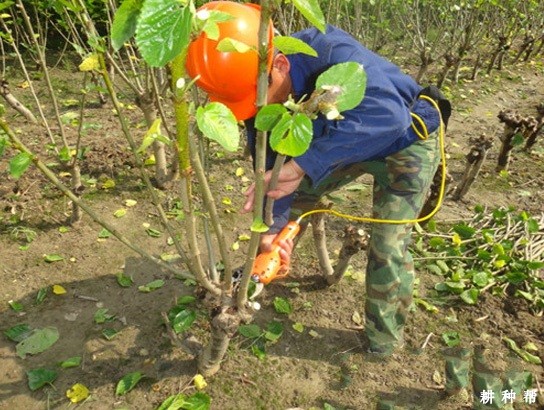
{"x":296,"y":168}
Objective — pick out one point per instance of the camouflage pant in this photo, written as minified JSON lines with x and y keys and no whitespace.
{"x":401,"y":183}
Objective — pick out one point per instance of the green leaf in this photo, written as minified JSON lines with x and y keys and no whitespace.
{"x":154,"y":233}
{"x":64,"y":154}
{"x":351,"y":78}
{"x":39,"y":377}
{"x":480,"y":279}
{"x":259,"y":226}
{"x":230,"y":45}
{"x":258,"y":351}
{"x":498,"y":249}
{"x":185,"y":300}
{"x":109,"y":333}
{"x":251,"y":331}
{"x":41,"y":295}
{"x":127,"y":383}
{"x":274,"y":331}
{"x":515,"y":277}
{"x":443,"y":266}
{"x":183,"y":320}
{"x":52,"y":257}
{"x":470,"y":296}
{"x":123,"y":280}
{"x":429,"y":307}
{"x":464,"y":231}
{"x":38,"y":341}
{"x":451,"y":338}
{"x":535,"y":265}
{"x":484,"y":255}
{"x":292,"y":135}
{"x":125,"y":22}
{"x":268,"y":116}
{"x":198,"y":401}
{"x":282,"y":305}
{"x":526,"y":295}
{"x":120,"y":213}
{"x":19,"y":163}
{"x":528,"y":357}
{"x":174,"y":402}
{"x":299,"y":327}
{"x":210,"y":26}
{"x":104,"y":234}
{"x":312,"y":12}
{"x":151,"y":135}
{"x":102,"y":316}
{"x":290,"y":45}
{"x":533,"y":226}
{"x":71,"y":362}
{"x":6,"y":4}
{"x":433,"y":268}
{"x":218,"y":123}
{"x":151,"y":286}
{"x":163,"y":30}
{"x":18,"y":332}
{"x":16,"y":306}
{"x":517,"y":139}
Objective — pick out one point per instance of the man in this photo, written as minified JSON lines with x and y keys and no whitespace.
{"x":376,"y":137}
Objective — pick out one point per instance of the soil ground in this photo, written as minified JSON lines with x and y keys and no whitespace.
{"x":323,"y":364}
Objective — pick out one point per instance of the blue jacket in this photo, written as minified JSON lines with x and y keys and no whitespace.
{"x":379,"y":126}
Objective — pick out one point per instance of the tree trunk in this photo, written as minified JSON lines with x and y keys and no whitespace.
{"x":223,"y":327}
{"x":77,"y":189}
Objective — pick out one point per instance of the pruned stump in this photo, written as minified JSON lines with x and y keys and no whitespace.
{"x":475,"y":159}
{"x":534,"y":128}
{"x":512,"y":126}
{"x":354,"y":240}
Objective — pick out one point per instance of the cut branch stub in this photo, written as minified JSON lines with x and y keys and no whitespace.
{"x":512,"y":125}
{"x":15,"y":103}
{"x":475,"y":159}
{"x":534,"y":127}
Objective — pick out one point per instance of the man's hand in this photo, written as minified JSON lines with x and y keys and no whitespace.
{"x":286,"y":246}
{"x":288,"y":181}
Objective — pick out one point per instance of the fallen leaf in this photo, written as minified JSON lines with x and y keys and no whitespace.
{"x":130,"y":202}
{"x":40,"y":377}
{"x":356,"y":317}
{"x":38,"y":341}
{"x":58,"y":290}
{"x":299,"y":327}
{"x":127,"y":383}
{"x":120,"y":213}
{"x":78,"y":392}
{"x":200,"y":382}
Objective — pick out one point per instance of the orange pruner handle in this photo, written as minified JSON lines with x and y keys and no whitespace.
{"x":268,"y":265}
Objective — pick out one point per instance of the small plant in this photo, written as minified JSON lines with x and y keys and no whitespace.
{"x":23,"y":234}
{"x":498,"y":251}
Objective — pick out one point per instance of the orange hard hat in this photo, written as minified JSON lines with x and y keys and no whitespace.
{"x":230,"y":77}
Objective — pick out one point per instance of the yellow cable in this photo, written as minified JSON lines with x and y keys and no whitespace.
{"x":442,"y":181}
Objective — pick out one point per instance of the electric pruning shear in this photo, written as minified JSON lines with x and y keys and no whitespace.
{"x":268,"y":265}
